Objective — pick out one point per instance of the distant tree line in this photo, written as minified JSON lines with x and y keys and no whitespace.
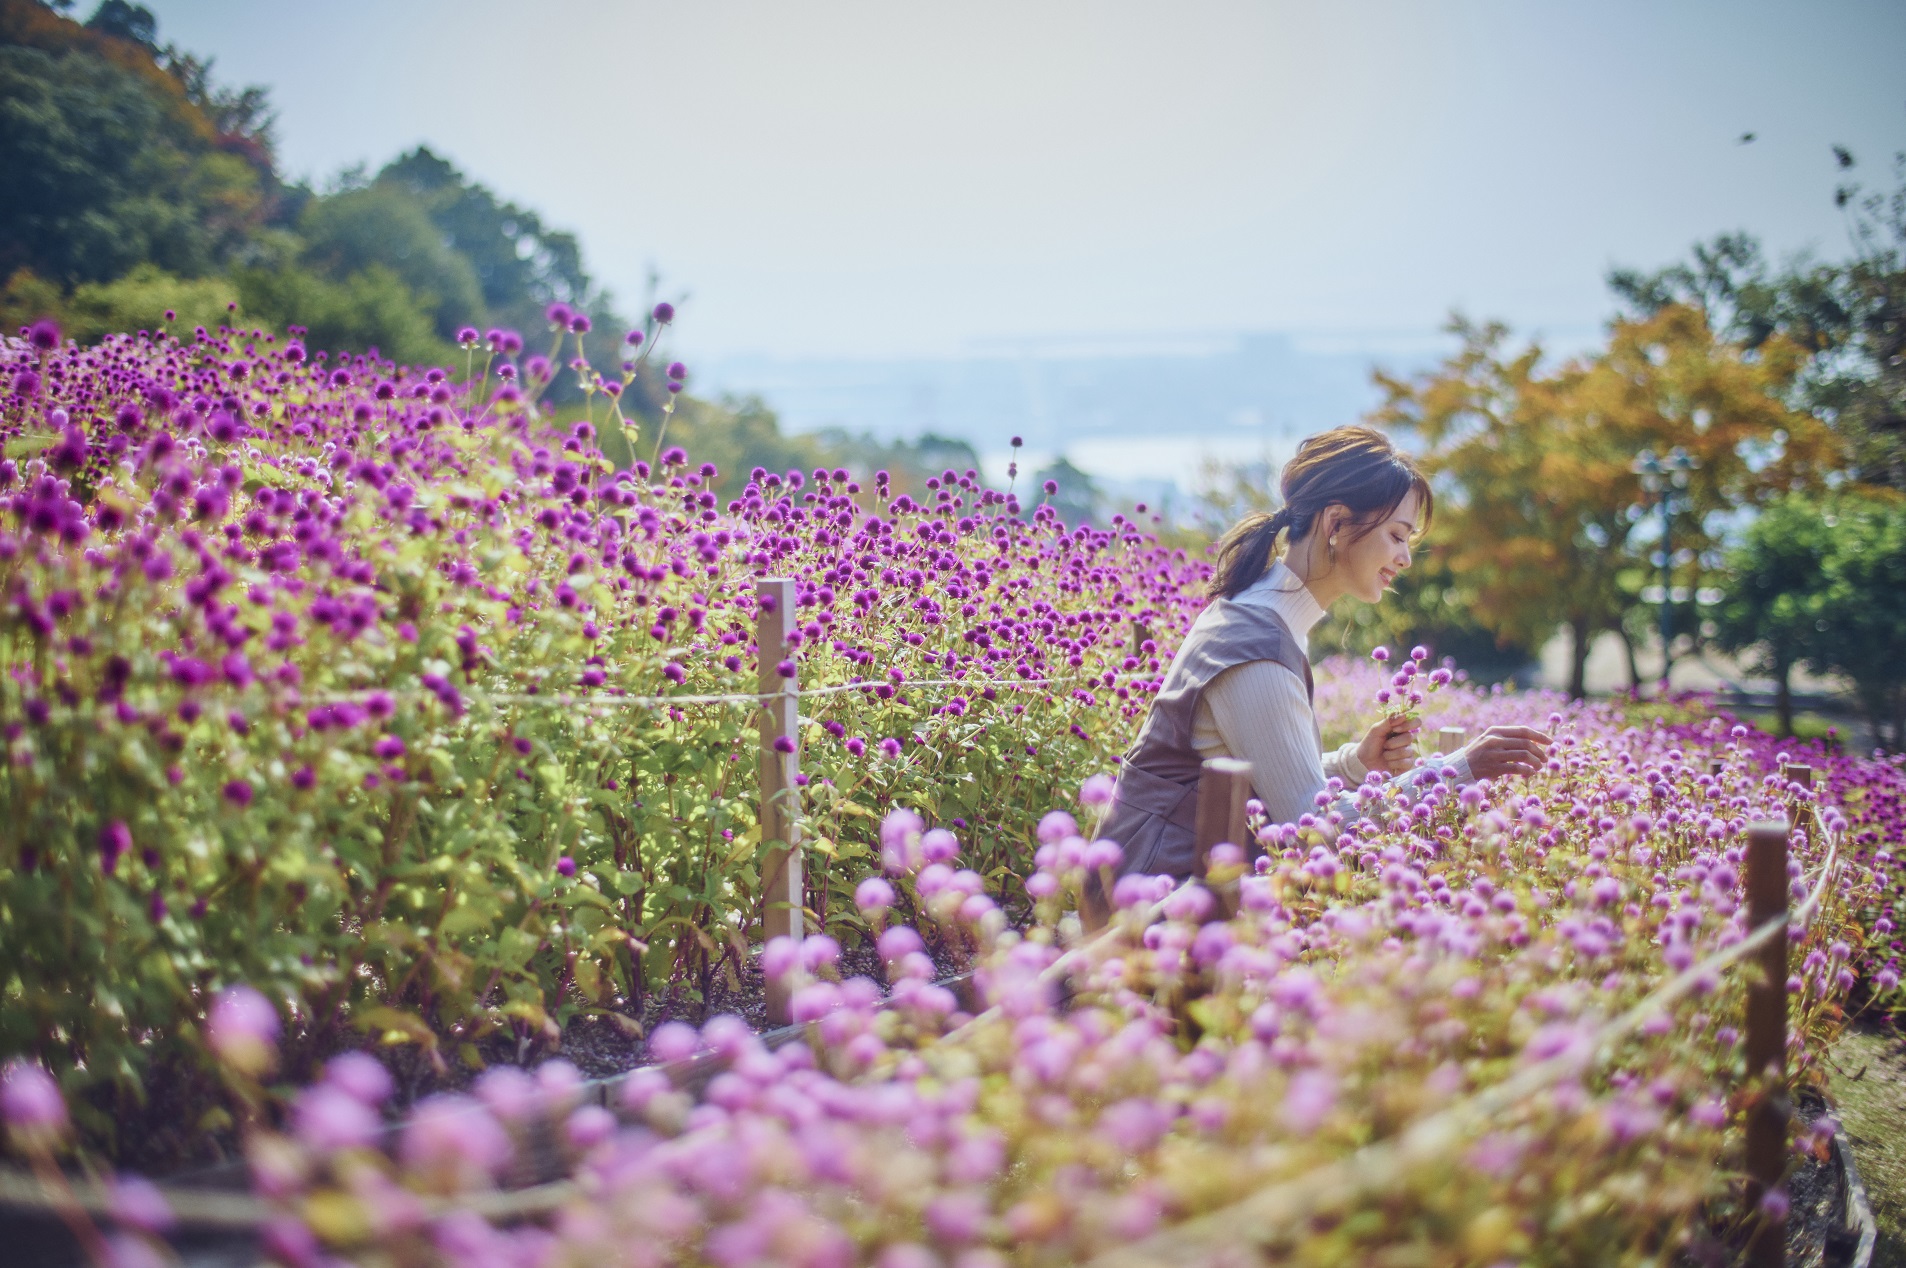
{"x":133,"y":184}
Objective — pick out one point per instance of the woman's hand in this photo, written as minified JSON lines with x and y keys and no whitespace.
{"x":1390,"y":745}
{"x":1507,"y":750}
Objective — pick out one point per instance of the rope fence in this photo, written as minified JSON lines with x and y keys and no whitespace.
{"x":1264,"y":1215}
{"x":1221,"y":817}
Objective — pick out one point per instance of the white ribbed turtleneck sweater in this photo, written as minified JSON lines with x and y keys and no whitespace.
{"x":1258,"y":711}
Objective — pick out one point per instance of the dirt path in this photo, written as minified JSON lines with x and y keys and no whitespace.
{"x":1869,"y":1089}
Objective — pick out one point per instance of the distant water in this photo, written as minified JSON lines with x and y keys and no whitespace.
{"x":1138,"y":415}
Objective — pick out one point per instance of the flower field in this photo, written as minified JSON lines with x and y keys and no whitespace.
{"x":353,"y":706}
{"x":342,"y":681}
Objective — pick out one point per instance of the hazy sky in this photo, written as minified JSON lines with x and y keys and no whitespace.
{"x":883,"y":178}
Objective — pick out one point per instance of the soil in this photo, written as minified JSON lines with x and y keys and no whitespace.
{"x":1869,"y":1092}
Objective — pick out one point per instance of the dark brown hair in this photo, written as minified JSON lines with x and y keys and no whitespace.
{"x":1353,"y":466}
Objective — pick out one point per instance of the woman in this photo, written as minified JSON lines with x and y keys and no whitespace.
{"x":1240,"y":684}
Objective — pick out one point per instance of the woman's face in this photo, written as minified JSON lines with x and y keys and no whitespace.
{"x":1373,"y":561}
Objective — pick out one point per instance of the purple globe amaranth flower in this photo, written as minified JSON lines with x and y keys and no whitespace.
{"x":938,"y":846}
{"x":780,"y":957}
{"x":114,"y":840}
{"x":31,"y":1105}
{"x":509,"y":1093}
{"x":673,"y":1041}
{"x":818,"y":952}
{"x":238,"y":792}
{"x":1097,"y":791}
{"x":326,"y":1119}
{"x":136,"y":1202}
{"x":43,"y":335}
{"x":361,"y":1075}
{"x":452,"y":1143}
{"x":588,"y":1127}
{"x":565,"y":866}
{"x":676,"y":370}
{"x":663,"y":313}
{"x":873,"y":895}
{"x":897,"y":942}
{"x":242,"y":1029}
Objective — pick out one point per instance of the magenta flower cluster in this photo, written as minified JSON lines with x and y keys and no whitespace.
{"x":340,"y":678}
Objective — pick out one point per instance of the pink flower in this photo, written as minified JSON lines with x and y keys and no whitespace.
{"x":873,"y":895}
{"x":242,"y":1030}
{"x":453,"y":1143}
{"x":1097,"y":791}
{"x":1308,"y":1101}
{"x":32,"y":1106}
{"x":327,"y":1119}
{"x":361,"y":1075}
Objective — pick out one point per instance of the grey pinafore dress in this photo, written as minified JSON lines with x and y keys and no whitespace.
{"x":1154,"y":810}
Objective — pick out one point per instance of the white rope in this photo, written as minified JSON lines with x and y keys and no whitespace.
{"x":1255,"y":1220}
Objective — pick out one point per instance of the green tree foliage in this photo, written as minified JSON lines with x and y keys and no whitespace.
{"x":367,"y":308}
{"x":103,"y":172}
{"x":137,"y":301}
{"x":1773,"y":594}
{"x":1542,"y":514}
{"x":520,"y":265}
{"x":128,"y":169}
{"x":1823,"y":582}
{"x":384,"y":228}
{"x":1849,"y":316}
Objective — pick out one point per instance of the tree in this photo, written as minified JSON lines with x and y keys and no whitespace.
{"x":1861,"y":625}
{"x":1773,"y":594}
{"x":103,"y":172}
{"x":1077,"y":499}
{"x":1537,"y":500}
{"x":1848,"y":317}
{"x":350,"y":232}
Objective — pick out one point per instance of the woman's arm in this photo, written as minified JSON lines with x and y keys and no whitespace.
{"x":1262,"y":716}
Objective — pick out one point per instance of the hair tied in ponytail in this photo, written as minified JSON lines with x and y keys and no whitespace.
{"x":1356,"y":467}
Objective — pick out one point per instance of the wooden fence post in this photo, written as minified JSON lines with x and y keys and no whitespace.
{"x":1767,"y":1037}
{"x":783,"y":888}
{"x":1224,"y":785}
